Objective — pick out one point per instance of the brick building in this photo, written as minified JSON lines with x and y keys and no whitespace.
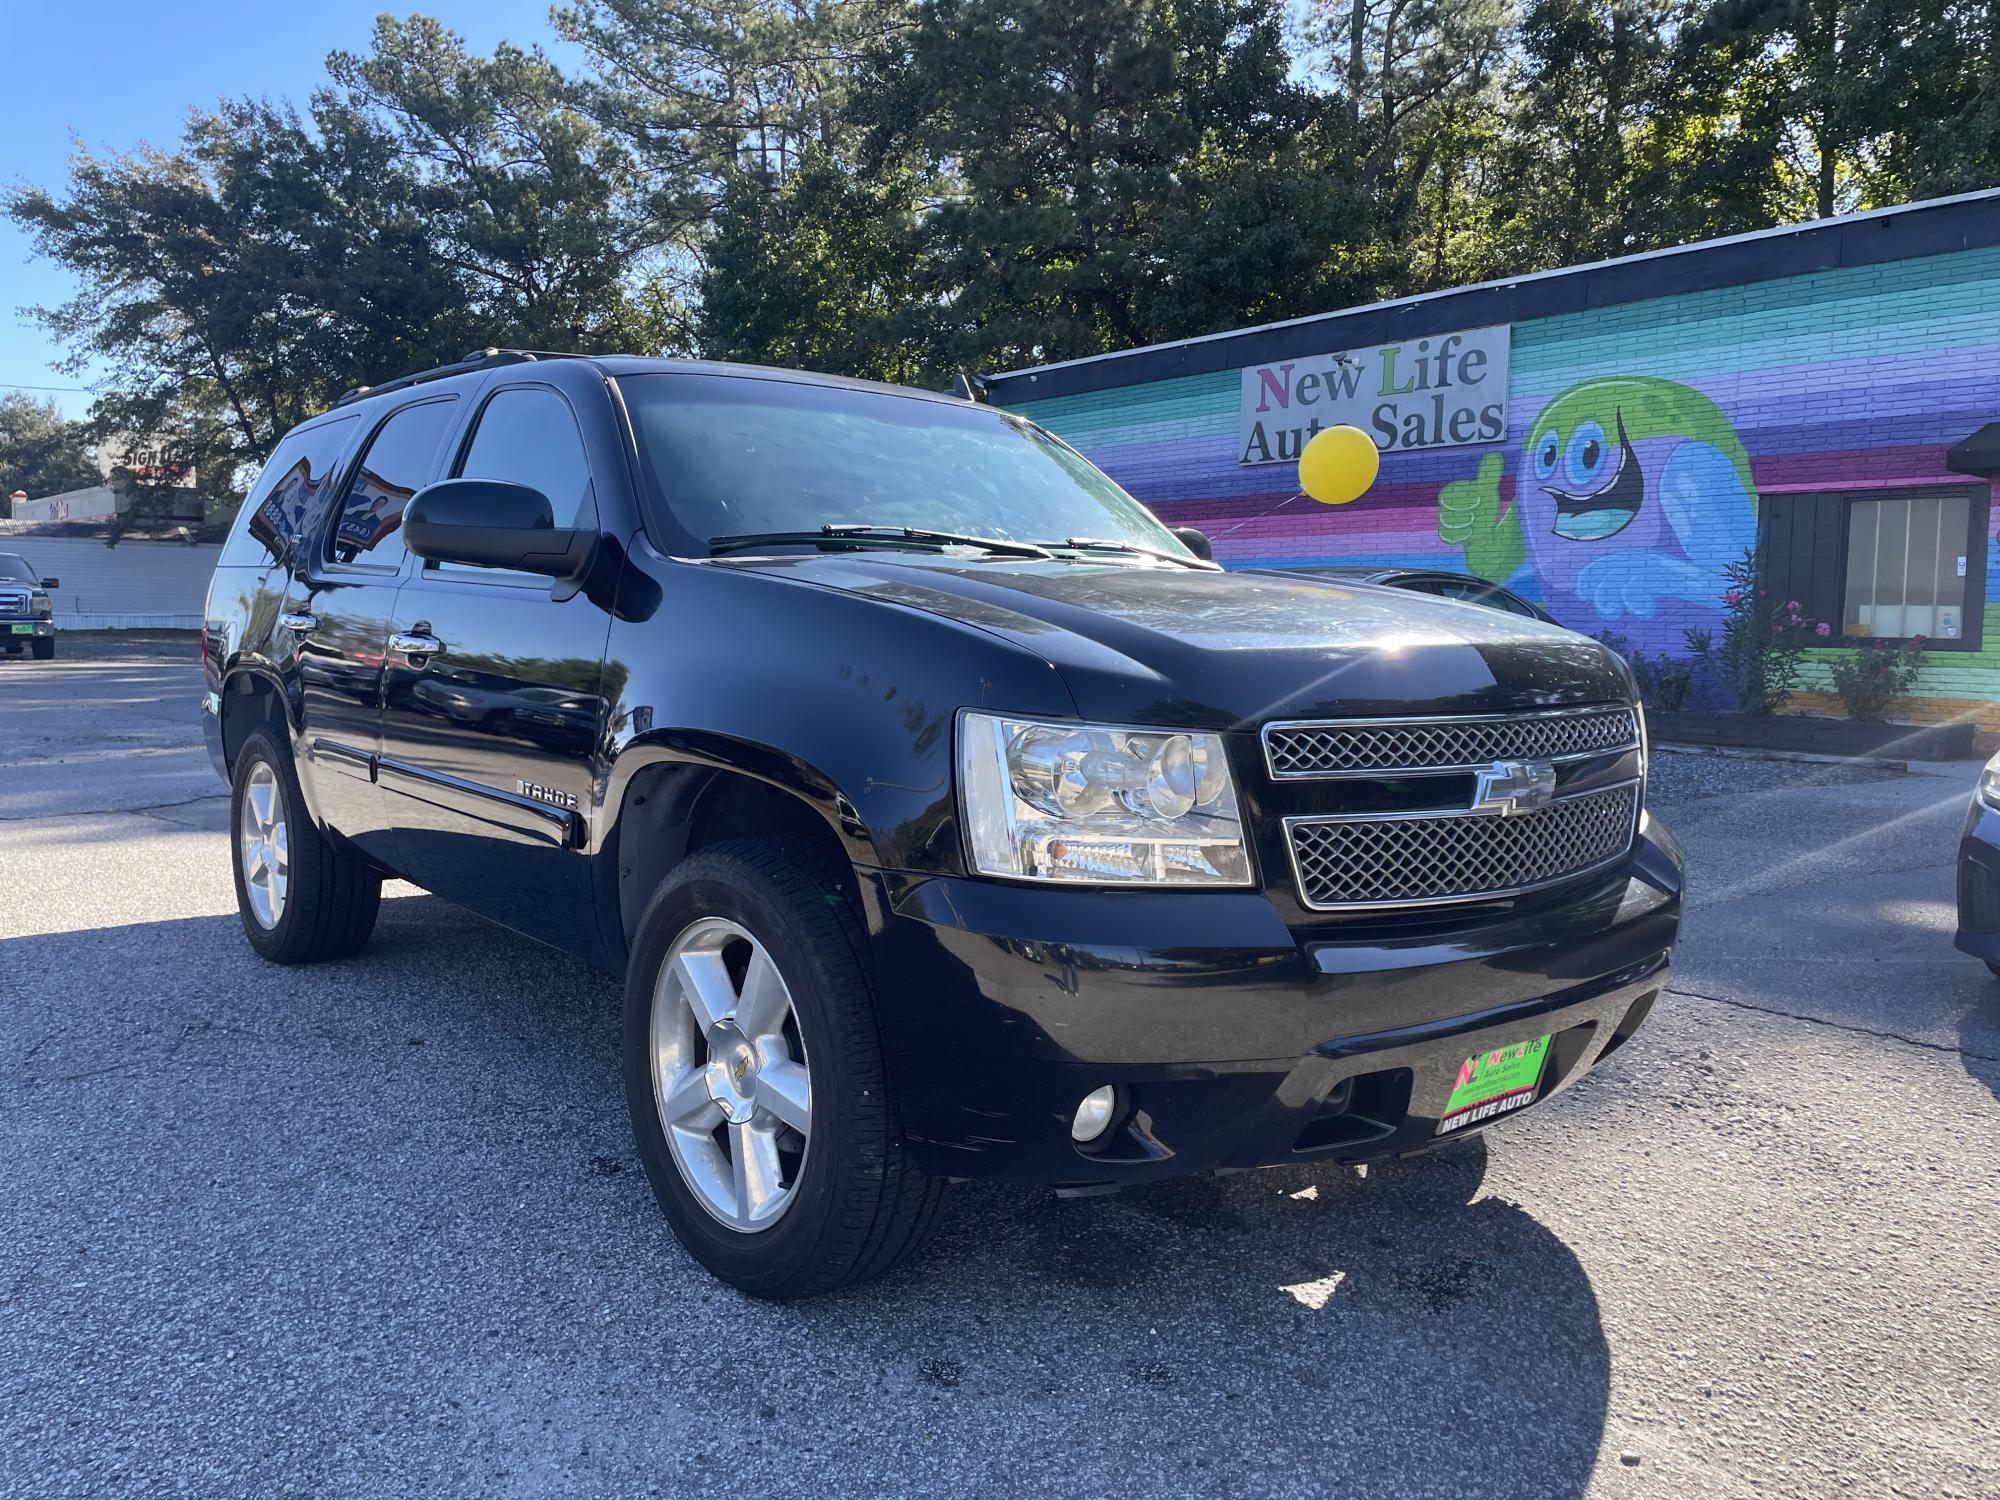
{"x":1604,"y":438}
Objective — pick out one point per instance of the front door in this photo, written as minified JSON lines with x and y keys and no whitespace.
{"x":495,"y":702}
{"x":337,"y":614}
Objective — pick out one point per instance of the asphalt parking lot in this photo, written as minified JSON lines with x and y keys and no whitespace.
{"x":377,"y":1228}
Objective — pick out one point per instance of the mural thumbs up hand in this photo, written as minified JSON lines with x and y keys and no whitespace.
{"x":1469,"y":518}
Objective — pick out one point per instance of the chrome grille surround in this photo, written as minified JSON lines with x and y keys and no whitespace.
{"x":14,"y":601}
{"x":1314,"y":749}
{"x":1354,"y":861}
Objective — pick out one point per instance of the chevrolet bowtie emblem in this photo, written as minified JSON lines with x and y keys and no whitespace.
{"x":1514,"y":786}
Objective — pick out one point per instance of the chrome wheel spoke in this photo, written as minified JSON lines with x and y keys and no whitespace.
{"x":784,"y":1090}
{"x":688,"y":1105}
{"x":765,"y":1001}
{"x":705,"y":987}
{"x":753,"y":1159}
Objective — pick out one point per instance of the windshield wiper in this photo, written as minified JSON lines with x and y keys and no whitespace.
{"x":878,"y":535}
{"x":1111,"y":544}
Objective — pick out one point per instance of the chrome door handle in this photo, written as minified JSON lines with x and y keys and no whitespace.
{"x":415,"y":646}
{"x":299,"y":621}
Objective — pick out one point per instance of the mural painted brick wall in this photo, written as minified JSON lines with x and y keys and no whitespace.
{"x":1843,"y":379}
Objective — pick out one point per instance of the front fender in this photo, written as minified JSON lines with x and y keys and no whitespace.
{"x":845,"y":701}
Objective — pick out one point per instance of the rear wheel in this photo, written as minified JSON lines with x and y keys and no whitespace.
{"x":44,"y":650}
{"x":302,"y":896}
{"x":755,"y":1080}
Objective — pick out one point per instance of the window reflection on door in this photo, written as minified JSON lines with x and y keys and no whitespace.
{"x":397,"y":464}
{"x":527,"y":435}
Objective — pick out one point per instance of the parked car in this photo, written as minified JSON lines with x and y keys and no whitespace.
{"x":27,"y":618}
{"x":1979,"y":872}
{"x":1439,"y":584}
{"x":947,"y":816}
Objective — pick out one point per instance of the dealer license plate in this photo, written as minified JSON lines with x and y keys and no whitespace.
{"x":1495,"y":1083}
{"x":28,"y":629}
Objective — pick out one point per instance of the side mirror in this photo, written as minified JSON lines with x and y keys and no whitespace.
{"x":1195,"y":541}
{"x":491,"y":524}
{"x":51,"y":583}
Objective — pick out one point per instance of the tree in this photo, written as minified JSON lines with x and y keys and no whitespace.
{"x":1590,"y":72}
{"x":1922,"y":80}
{"x":1114,"y":172}
{"x":41,"y":451}
{"x":817,"y":270}
{"x":234,"y":287}
{"x":533,"y":207}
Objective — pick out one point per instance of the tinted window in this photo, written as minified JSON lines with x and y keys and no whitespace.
{"x":730,"y":455}
{"x":528,"y":436}
{"x":15,"y":568}
{"x":284,"y":503}
{"x":397,"y":464}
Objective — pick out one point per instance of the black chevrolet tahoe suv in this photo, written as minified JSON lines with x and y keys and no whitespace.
{"x":947,"y":815}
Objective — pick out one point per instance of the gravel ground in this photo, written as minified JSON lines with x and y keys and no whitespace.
{"x":1682,"y":776}
{"x":376,"y":1228}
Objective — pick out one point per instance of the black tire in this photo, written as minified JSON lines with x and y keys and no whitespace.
{"x":861,"y":1204}
{"x":332,"y":894}
{"x":1993,"y":968}
{"x":44,"y":650}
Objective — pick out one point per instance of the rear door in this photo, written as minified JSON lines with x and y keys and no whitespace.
{"x":495,"y":702}
{"x":337,"y":615}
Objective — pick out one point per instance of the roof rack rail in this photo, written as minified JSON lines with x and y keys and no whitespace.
{"x":478,"y":359}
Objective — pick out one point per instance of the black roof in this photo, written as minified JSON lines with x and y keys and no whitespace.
{"x":627,"y":364}
{"x":1969,"y":221}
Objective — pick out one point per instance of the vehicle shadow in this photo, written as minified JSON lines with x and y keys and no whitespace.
{"x":1390,"y":1331}
{"x":400,"y":1192}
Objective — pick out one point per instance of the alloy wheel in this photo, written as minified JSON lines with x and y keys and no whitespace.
{"x":263,"y":845}
{"x":731,"y":1079}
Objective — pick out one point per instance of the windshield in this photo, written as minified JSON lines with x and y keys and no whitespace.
{"x":732,"y":455}
{"x":16,"y":568}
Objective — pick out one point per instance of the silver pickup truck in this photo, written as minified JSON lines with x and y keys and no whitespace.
{"x":27,"y":619}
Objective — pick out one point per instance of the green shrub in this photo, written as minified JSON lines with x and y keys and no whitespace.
{"x":1871,"y":677}
{"x":1664,"y":681}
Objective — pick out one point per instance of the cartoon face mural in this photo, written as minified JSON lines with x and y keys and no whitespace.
{"x":1630,"y":492}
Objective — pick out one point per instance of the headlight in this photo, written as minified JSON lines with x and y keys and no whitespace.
{"x":1101,"y":806}
{"x":1989,"y":783}
{"x":39,"y":606}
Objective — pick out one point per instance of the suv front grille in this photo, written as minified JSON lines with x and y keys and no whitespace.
{"x":1403,"y":746}
{"x":1401,"y":859}
{"x":13,"y":601}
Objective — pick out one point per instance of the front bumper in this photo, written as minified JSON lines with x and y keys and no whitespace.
{"x":1237,"y":1041}
{"x":1979,"y":883}
{"x":13,"y":638}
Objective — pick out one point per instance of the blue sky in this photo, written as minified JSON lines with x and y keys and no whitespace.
{"x":118,"y":73}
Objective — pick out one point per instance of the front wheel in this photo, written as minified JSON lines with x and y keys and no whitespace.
{"x":1993,"y":968}
{"x":755,"y":1079}
{"x":44,"y":649}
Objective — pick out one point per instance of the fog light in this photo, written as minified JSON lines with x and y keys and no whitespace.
{"x":1093,"y":1116}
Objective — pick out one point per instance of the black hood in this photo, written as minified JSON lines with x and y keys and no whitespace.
{"x":1169,"y":645}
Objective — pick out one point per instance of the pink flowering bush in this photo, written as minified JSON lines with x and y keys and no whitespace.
{"x":1762,"y":642}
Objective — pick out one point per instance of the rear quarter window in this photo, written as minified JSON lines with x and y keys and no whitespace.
{"x":285,"y":504}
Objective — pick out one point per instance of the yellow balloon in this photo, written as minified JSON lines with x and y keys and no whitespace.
{"x":1338,"y":465}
